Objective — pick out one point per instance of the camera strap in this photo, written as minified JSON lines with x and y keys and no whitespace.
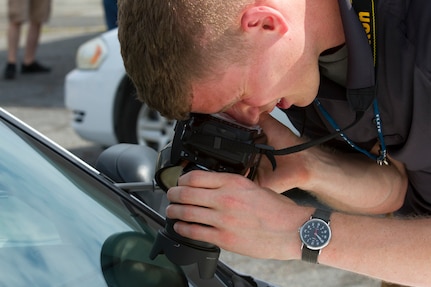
{"x":270,"y":152}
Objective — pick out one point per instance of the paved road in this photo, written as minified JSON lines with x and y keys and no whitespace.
{"x":38,"y":100}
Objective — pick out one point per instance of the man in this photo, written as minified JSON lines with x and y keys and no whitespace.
{"x":245,"y":57}
{"x":19,"y":11}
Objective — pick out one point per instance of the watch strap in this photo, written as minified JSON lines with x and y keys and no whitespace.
{"x":309,"y":255}
{"x":322,"y":214}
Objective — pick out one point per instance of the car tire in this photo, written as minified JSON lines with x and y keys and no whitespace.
{"x":136,"y":123}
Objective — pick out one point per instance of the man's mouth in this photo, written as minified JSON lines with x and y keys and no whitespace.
{"x":283,"y":104}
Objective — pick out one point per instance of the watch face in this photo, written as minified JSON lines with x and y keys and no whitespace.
{"x":315,"y":233}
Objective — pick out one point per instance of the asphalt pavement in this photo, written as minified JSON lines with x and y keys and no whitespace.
{"x":39,"y":101}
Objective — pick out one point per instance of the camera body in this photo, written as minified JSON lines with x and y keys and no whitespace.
{"x":213,"y":142}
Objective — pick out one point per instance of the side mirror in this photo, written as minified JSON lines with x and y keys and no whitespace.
{"x":134,"y":163}
{"x":128,"y":163}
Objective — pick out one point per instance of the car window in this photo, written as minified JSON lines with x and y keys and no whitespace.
{"x":61,"y":227}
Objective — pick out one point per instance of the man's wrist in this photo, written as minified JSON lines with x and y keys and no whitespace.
{"x":298,"y":215}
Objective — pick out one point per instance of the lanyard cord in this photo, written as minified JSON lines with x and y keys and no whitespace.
{"x":381,"y":158}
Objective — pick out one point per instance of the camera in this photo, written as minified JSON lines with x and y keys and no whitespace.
{"x":212,"y":142}
{"x":207,"y":142}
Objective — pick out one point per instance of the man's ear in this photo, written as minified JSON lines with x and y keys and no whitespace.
{"x":263,"y":18}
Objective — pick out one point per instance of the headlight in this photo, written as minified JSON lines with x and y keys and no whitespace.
{"x":91,"y":54}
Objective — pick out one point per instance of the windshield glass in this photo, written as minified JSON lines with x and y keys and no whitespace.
{"x":55,"y":219}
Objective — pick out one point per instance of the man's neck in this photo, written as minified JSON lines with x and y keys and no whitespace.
{"x":324,"y":20}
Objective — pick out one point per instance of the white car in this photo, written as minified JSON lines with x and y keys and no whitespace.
{"x":103,"y":102}
{"x":102,"y":99}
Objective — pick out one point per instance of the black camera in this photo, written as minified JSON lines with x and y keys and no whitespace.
{"x":211,"y":142}
{"x":207,"y":142}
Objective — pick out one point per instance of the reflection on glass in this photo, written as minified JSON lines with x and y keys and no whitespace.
{"x":54,"y":218}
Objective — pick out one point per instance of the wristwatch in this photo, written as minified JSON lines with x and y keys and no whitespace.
{"x":315,"y":234}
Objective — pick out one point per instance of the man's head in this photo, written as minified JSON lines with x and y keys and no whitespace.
{"x":240,"y":56}
{"x":168,"y":44}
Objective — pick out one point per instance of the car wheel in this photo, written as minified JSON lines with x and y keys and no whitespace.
{"x":152,"y":129}
{"x":137,"y":123}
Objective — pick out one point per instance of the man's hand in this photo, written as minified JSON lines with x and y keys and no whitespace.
{"x":234,"y":213}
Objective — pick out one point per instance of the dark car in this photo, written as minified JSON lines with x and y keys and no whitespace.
{"x":64,"y":223}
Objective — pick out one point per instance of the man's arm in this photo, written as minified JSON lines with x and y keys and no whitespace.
{"x":391,"y":249}
{"x":347,"y":182}
{"x":232,"y":212}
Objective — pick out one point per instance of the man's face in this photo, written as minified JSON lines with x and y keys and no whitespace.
{"x":281,"y":66}
{"x":246,"y":92}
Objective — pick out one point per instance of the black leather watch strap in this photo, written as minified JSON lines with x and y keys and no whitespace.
{"x":309,"y":255}
{"x":322,"y":214}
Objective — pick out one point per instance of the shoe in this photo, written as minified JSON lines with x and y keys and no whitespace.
{"x":33,"y":68}
{"x":9,"y":71}
{"x":387,"y":284}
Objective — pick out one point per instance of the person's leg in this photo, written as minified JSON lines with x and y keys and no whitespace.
{"x":13,"y":36}
{"x":16,"y":16}
{"x":32,"y":42}
{"x":39,"y":12}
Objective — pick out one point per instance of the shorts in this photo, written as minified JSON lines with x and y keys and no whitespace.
{"x":34,"y":10}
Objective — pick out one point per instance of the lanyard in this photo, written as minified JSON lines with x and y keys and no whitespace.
{"x":366,"y":14}
{"x":381,"y":159}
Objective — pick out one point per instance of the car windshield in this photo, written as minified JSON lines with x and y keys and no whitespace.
{"x":61,"y":227}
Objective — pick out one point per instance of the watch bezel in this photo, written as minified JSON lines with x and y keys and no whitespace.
{"x":320,"y":247}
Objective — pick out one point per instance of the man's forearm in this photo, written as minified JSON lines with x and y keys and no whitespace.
{"x":354,"y":183}
{"x":391,"y":249}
